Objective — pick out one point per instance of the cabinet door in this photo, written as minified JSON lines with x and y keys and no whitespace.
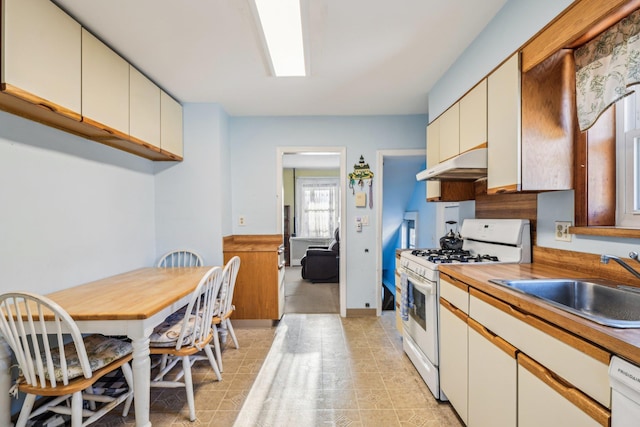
{"x":473,"y":118}
{"x":493,"y":379}
{"x":450,"y":133}
{"x":144,"y":109}
{"x":503,"y":128}
{"x":41,"y":48}
{"x":433,"y":157}
{"x":257,"y":294}
{"x":454,"y":356}
{"x":105,"y":86}
{"x":170,"y":125}
{"x":545,"y":401}
{"x":580,"y":362}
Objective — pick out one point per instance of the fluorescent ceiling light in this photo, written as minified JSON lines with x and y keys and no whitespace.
{"x":282,"y":27}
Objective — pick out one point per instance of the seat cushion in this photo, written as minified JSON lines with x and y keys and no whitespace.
{"x":101,"y":351}
{"x":166,"y":334}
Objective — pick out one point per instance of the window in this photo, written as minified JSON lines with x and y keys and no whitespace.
{"x":408,"y":230}
{"x":317,"y":206}
{"x":628,"y":161}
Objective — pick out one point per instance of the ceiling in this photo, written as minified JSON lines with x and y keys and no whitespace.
{"x":367,"y":57}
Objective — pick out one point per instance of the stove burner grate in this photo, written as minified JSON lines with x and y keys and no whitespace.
{"x":447,"y":256}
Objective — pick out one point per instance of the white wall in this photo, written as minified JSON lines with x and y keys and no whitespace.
{"x":71,"y":210}
{"x":254,"y":141}
{"x":193,"y":197}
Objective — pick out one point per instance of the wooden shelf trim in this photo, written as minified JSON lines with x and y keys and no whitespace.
{"x":631,"y":233}
{"x":577,"y":20}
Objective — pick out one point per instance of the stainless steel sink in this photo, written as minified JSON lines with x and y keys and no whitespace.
{"x":618,"y":307}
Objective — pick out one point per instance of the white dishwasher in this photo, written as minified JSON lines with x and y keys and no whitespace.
{"x":625,"y":393}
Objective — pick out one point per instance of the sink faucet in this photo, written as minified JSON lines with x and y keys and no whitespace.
{"x":604,"y":259}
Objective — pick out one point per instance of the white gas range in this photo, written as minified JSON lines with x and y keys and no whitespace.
{"x":484,"y":241}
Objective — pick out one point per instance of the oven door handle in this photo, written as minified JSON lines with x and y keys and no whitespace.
{"x":426,"y":288}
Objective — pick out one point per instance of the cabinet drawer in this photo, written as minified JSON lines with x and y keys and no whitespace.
{"x":456,"y":292}
{"x":577,"y":361}
{"x":545,"y":400}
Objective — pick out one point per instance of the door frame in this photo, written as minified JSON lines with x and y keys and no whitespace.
{"x":342,"y":152}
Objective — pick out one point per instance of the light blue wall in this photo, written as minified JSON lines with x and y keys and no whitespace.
{"x":193,"y":197}
{"x":71,"y":210}
{"x":254,"y":142}
{"x":513,"y":25}
{"x":558,"y":206}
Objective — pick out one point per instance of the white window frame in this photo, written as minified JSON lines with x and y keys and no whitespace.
{"x":628,"y":161}
{"x":300,"y":215}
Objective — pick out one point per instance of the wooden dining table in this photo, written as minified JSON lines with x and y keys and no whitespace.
{"x":130,"y":304}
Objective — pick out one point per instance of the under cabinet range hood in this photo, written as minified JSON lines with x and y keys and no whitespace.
{"x":468,"y":166}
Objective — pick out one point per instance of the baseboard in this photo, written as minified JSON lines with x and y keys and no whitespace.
{"x":361,"y":312}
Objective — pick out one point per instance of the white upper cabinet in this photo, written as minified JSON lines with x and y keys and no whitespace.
{"x":433,"y":157}
{"x":171,"y":125}
{"x":473,"y":118}
{"x":41,"y":51}
{"x":105,"y":86}
{"x":503,"y":127}
{"x":450,"y":132}
{"x":144,"y":109}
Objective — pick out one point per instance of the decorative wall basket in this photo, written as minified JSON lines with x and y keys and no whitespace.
{"x":361,"y":177}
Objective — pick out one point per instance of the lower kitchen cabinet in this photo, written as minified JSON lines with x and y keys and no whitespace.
{"x":259,"y":291}
{"x":502,"y":367}
{"x":493,"y":379}
{"x":453,"y":356}
{"x":454,"y":306}
{"x":544,"y":400}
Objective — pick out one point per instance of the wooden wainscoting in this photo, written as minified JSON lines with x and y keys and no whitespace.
{"x":586,"y":263}
{"x":515,"y":205}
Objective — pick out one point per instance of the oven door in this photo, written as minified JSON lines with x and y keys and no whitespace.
{"x":422,"y":325}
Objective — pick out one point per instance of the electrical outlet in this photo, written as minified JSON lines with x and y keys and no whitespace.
{"x":241,"y":220}
{"x":562,"y":231}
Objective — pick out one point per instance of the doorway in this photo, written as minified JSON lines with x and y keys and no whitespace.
{"x":321,"y":163}
{"x":403,"y":203}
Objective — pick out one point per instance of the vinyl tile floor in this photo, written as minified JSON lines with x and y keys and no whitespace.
{"x":312,"y":370}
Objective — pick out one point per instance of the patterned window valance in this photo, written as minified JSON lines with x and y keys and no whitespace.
{"x":606,"y":67}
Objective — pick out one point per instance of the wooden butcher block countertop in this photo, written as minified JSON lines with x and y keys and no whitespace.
{"x":622,"y":342}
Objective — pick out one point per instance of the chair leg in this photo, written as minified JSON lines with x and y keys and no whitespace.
{"x":128,"y":376}
{"x":223,"y":333}
{"x":188,"y":385}
{"x":213,"y":362}
{"x":216,"y":345}
{"x":76,"y":409}
{"x":27,"y":406}
{"x":232,"y":333}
